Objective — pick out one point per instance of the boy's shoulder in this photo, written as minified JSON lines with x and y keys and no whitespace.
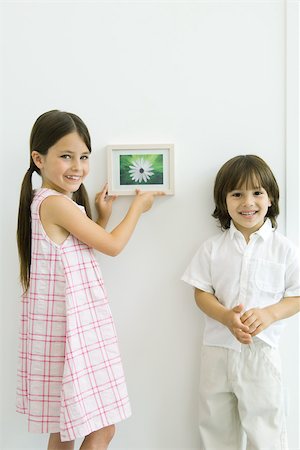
{"x":221,"y":235}
{"x":280,"y":237}
{"x":215,"y":240}
{"x":281,"y":241}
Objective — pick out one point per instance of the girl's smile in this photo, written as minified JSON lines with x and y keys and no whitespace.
{"x":66,"y":164}
{"x":248,"y":208}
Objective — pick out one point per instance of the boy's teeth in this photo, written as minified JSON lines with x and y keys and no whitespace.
{"x":248,"y":213}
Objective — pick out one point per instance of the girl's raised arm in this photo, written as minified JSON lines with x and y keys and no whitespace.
{"x":58,"y":212}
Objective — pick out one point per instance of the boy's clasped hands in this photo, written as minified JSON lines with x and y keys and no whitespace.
{"x":246,"y":325}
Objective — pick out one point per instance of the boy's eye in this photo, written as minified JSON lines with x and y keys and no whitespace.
{"x":84,"y":157}
{"x":65,"y":156}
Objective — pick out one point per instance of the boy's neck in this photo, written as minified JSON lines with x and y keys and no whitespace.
{"x":247,"y":233}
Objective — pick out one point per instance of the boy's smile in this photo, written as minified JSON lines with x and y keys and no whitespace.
{"x":248,"y":208}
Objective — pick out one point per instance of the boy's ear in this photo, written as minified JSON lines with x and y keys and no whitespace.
{"x":37,"y":159}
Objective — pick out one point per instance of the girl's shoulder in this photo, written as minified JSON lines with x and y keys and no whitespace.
{"x":57,"y":214}
{"x":39,"y":195}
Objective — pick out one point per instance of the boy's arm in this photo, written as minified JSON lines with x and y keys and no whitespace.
{"x":258,"y":319}
{"x":231,"y":318}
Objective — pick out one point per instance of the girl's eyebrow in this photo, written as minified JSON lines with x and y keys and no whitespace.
{"x":86,"y":152}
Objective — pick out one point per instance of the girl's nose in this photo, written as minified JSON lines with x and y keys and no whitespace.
{"x":76,"y":164}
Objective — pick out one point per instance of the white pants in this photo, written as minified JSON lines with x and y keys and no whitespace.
{"x":241,"y":394}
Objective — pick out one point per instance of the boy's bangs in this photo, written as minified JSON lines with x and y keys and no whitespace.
{"x":250,"y":179}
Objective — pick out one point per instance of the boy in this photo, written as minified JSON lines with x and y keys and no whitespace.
{"x":246,"y":281}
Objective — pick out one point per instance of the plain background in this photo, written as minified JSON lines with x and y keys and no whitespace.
{"x":216,"y":79}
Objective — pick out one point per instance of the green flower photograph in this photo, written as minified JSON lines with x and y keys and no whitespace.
{"x":141,"y":169}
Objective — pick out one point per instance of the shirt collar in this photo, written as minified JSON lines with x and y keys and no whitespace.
{"x":264,"y":231}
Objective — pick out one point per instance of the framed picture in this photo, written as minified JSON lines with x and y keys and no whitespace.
{"x":145,"y":167}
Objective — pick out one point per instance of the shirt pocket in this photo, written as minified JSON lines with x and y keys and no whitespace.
{"x":270,"y":276}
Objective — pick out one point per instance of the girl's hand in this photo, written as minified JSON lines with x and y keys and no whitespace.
{"x":257,"y":320}
{"x":144,"y":200}
{"x":103,"y":205}
{"x":239,"y":330}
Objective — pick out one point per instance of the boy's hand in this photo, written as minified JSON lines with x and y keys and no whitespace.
{"x":257,"y":319}
{"x":239,"y":330}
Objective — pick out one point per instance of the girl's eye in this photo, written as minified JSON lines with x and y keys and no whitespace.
{"x":85,"y":157}
{"x":236,"y":194}
{"x":65,"y":156}
{"x":257,"y":193}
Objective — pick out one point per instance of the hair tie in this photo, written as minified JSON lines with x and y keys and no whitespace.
{"x":31,"y":169}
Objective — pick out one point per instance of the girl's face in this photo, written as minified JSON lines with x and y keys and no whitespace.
{"x":66,"y":164}
{"x":247,"y":208}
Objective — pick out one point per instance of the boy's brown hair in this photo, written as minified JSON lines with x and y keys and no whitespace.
{"x":254,"y":172}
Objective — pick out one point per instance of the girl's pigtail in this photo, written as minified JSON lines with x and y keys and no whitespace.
{"x":81,"y":197}
{"x":24,"y":227}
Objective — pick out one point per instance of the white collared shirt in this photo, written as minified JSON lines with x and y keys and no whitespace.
{"x":256,"y":274}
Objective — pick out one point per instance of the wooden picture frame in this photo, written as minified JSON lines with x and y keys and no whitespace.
{"x":147,"y":167}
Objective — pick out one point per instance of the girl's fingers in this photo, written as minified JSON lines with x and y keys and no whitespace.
{"x":104,"y":195}
{"x":154,"y":193}
{"x":104,"y":191}
{"x":112,"y":198}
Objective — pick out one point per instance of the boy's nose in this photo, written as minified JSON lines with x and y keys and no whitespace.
{"x":248,"y":200}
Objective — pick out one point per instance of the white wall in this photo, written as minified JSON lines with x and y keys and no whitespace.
{"x":208,"y":76}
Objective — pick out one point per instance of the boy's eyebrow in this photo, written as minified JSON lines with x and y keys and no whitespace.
{"x":251,"y":189}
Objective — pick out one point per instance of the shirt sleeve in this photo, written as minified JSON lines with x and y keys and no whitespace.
{"x":292,"y":275}
{"x":198,"y":273}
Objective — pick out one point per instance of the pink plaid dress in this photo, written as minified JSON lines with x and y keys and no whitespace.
{"x":70,"y":375}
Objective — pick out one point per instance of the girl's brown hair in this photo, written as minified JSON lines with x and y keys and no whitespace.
{"x":47,"y":130}
{"x":254,"y":172}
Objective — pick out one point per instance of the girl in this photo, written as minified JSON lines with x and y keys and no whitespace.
{"x":246,"y":282}
{"x":70,"y":377}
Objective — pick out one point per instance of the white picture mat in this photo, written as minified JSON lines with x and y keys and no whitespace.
{"x":113,"y":157}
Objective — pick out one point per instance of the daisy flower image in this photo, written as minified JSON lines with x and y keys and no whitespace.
{"x":141,"y":170}
{"x":138,"y":169}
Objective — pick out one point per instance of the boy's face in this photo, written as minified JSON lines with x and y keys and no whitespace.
{"x":247,"y":208}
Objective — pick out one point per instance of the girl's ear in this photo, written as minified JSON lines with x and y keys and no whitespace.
{"x":37,"y":158}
